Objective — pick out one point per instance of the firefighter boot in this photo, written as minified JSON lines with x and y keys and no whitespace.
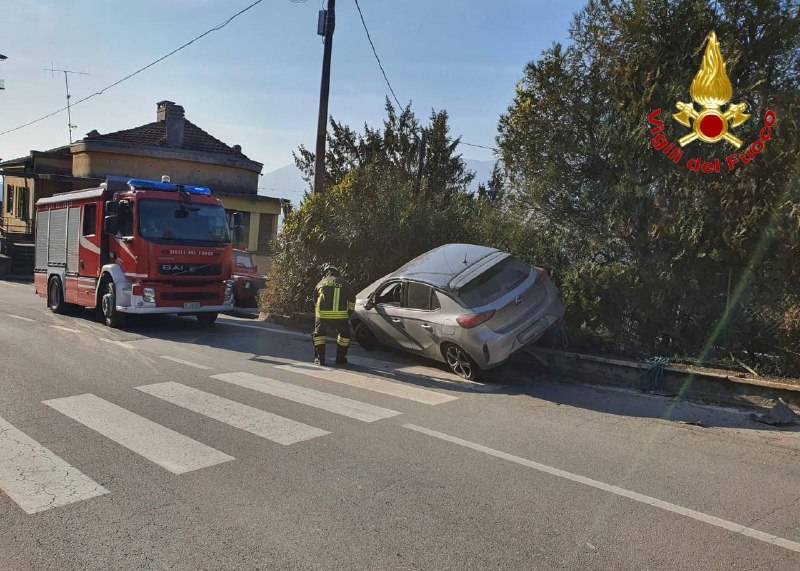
{"x":341,"y":355}
{"x":319,"y":355}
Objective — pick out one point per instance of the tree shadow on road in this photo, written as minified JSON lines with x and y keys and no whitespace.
{"x":271,"y":345}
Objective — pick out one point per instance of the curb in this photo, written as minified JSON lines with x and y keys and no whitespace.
{"x":688,"y":383}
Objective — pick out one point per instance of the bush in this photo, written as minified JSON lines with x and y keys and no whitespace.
{"x":369,"y":224}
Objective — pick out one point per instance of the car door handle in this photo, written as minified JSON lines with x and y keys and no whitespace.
{"x":396,"y":320}
{"x":425,"y":326}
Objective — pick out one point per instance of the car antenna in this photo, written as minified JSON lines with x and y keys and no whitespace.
{"x":465,"y":258}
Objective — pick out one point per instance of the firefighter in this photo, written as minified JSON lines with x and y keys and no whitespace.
{"x":334,"y":302}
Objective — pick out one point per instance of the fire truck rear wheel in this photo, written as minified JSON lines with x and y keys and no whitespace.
{"x":112,"y":317}
{"x":207,"y":318}
{"x":55,"y":296}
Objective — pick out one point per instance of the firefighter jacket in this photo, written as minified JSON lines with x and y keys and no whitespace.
{"x":334,"y":299}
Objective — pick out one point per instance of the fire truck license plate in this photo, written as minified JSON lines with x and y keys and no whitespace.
{"x":192,"y":305}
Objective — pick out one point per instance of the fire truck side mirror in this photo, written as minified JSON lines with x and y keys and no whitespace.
{"x":112,"y":207}
{"x":111,"y":225}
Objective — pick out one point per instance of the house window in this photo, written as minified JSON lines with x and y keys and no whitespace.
{"x":22,"y":207}
{"x":265,"y":226}
{"x":9,"y":199}
{"x":89,"y":220}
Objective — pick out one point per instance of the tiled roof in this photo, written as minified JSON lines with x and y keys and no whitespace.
{"x":155,"y":134}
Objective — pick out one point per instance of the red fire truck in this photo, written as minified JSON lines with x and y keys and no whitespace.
{"x":135,"y":247}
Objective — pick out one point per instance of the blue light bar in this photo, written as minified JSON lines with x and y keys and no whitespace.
{"x":144,"y":184}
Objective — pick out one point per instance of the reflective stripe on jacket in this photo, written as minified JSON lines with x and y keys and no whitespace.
{"x":334,"y":299}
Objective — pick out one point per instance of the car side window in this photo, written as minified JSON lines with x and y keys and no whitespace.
{"x":435,"y":301}
{"x":418,"y":296}
{"x":390,"y":294}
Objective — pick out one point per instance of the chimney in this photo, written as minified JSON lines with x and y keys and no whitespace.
{"x":172,"y":115}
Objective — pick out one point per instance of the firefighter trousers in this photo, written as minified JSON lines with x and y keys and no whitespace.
{"x":323,"y":328}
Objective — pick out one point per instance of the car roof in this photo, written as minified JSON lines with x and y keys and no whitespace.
{"x":439,"y":267}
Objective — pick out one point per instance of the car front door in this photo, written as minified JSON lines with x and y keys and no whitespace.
{"x":419,"y":312}
{"x":383,"y":317}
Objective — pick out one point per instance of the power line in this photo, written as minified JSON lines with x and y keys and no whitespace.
{"x":494,"y":149}
{"x":378,"y":59}
{"x":138,"y":71}
{"x":389,"y":84}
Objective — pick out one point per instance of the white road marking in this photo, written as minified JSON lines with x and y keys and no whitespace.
{"x":36,"y":478}
{"x":11,"y":315}
{"x":118,"y":343}
{"x":267,"y":329}
{"x":369,"y":383}
{"x":317,"y":399}
{"x":161,"y":445}
{"x":616,"y":490}
{"x":187,"y":363}
{"x":261,"y":423}
{"x":62,"y":328}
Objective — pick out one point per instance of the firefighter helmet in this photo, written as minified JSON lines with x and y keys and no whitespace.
{"x":330,"y":269}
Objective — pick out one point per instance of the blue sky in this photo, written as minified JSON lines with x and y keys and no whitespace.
{"x":256,"y":82}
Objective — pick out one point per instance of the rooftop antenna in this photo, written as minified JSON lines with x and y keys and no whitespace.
{"x":66,"y":73}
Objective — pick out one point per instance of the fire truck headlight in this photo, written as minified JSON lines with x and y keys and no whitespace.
{"x":149,"y":294}
{"x":229,"y":291}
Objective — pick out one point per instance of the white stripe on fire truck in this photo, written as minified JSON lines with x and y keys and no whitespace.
{"x":261,"y":423}
{"x":36,"y":478}
{"x":87,"y":244}
{"x":161,"y":445}
{"x":309,"y":397}
{"x":124,"y":246}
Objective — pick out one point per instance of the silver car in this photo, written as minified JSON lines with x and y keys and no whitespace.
{"x":468,"y":306}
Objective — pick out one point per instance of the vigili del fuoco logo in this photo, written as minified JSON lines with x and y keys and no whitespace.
{"x":711,"y":118}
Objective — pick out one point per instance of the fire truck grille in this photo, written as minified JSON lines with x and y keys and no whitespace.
{"x":190,"y":269}
{"x":189,"y":295}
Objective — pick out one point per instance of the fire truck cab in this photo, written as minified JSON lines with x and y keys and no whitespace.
{"x":135,"y":246}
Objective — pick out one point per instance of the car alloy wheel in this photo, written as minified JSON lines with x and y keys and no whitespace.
{"x":461,"y":363}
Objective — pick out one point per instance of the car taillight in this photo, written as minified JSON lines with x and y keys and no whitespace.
{"x":470,"y":320}
{"x":544,"y":272}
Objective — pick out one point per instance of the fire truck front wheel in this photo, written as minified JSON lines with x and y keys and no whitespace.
{"x":112,"y":317}
{"x":207,"y":319}
{"x":55,"y":296}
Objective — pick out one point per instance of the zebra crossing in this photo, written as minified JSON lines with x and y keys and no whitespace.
{"x":36,"y":479}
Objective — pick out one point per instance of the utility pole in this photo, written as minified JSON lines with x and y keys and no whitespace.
{"x":325,"y":26}
{"x":66,"y":73}
{"x":2,"y":81}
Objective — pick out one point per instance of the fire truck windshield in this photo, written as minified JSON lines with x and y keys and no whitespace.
{"x":170,"y":221}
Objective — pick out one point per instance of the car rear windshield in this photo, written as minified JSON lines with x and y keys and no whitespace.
{"x":494,"y":283}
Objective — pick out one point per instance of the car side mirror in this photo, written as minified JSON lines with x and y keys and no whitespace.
{"x":370,"y":302}
{"x":111,"y":225}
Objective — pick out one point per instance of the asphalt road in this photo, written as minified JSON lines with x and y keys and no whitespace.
{"x":170,"y":446}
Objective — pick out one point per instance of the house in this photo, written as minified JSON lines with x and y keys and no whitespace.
{"x":171,"y":145}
